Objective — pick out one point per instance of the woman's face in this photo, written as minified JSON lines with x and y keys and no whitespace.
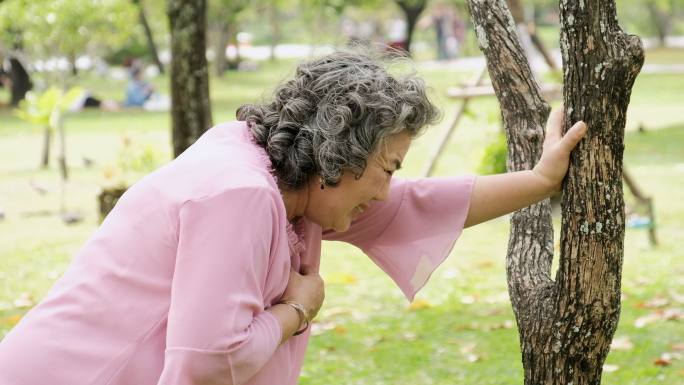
{"x":334,"y":208}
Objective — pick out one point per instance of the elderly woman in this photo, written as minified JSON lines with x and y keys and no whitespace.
{"x":206,"y":271}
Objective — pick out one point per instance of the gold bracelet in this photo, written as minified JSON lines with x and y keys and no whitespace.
{"x":301,"y":312}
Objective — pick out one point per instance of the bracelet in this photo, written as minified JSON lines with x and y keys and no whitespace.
{"x":301,"y":312}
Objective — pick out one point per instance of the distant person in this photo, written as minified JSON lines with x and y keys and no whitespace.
{"x":141,"y":94}
{"x":206,"y":270}
{"x":138,"y":91}
{"x":87,"y":100}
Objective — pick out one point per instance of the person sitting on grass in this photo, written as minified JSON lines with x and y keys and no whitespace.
{"x":138,"y":91}
{"x":207,"y":270}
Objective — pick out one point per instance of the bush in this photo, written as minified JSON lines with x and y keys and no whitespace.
{"x":495,"y":155}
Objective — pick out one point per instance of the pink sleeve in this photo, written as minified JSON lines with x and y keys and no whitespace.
{"x":412,"y":232}
{"x":218,"y":331}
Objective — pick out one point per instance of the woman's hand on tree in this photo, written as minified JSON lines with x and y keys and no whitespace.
{"x":553,"y":165}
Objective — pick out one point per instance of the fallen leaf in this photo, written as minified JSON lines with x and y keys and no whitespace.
{"x":654,"y":303}
{"x":409,"y":336}
{"x":339,"y":329}
{"x":673,"y":314}
{"x":25,"y":300}
{"x":645,"y":320}
{"x":419,"y":304}
{"x":335,"y":311}
{"x":468,"y":350}
{"x":467,"y":347}
{"x":621,"y":343}
{"x":494,"y":311}
{"x":502,"y":297}
{"x":11,"y":320}
{"x":472,"y":358}
{"x":678,"y":347}
{"x":373,"y":341}
{"x":664,"y":360}
{"x":642,"y":281}
{"x":508,"y":324}
{"x":610,"y":368}
{"x":468,"y":300}
{"x":662,"y":314}
{"x":318,"y":327}
{"x":341,"y":279}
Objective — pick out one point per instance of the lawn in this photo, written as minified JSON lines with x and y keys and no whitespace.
{"x":460,"y":329}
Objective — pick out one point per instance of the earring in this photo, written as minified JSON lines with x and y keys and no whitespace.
{"x":320,"y":180}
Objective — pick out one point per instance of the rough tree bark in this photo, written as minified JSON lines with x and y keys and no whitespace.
{"x":566,"y":325}
{"x":191,"y":107}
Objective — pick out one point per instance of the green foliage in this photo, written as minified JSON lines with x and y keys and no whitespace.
{"x":134,"y":160}
{"x":66,"y":27}
{"x":45,"y":109}
{"x":645,"y":17}
{"x":494,"y":158}
{"x":139,"y":157}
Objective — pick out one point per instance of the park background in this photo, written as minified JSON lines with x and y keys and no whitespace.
{"x":460,"y":329}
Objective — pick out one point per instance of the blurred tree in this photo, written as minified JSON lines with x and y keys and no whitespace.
{"x":191,"y":107}
{"x":662,"y":13}
{"x":152,"y":46}
{"x":528,"y":32}
{"x":412,"y":10}
{"x":45,"y":30}
{"x":19,"y":80}
{"x":323,"y":19}
{"x":66,"y":28}
{"x":223,"y":21}
{"x":46,"y":110}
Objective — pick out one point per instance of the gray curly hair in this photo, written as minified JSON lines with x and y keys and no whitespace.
{"x":334,"y":114}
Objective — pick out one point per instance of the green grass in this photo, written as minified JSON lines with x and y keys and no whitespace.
{"x":366,"y":334}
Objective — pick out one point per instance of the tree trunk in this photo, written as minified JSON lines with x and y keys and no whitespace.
{"x":61,"y":157}
{"x":72,"y":63}
{"x":47,"y":139}
{"x":21,"y":82}
{"x":274,"y":22}
{"x":191,"y":107}
{"x":222,"y":39}
{"x":412,"y":10}
{"x":530,"y":30}
{"x":662,"y":22}
{"x":566,"y":325}
{"x":151,"y":45}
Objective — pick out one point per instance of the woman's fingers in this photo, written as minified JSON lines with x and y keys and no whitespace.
{"x":574,"y":135}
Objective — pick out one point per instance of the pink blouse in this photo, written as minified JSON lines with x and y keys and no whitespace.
{"x":172,"y":288}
